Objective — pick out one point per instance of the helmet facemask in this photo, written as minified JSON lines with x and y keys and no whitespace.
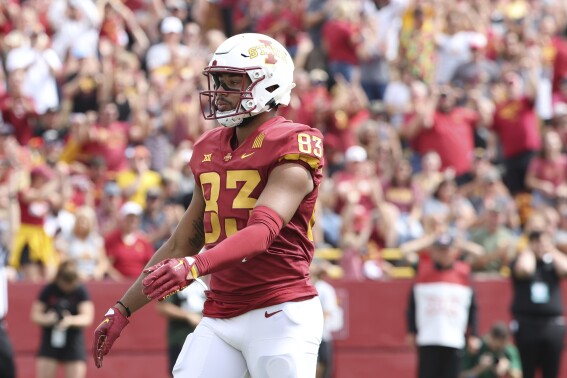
{"x":245,"y":106}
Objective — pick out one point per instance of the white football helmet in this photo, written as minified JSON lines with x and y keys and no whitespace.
{"x":269,"y":67}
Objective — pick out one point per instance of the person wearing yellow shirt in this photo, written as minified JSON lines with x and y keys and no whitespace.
{"x":138,"y":178}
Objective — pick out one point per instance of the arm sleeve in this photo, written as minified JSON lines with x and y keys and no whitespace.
{"x":263,"y":227}
{"x":412,"y":324}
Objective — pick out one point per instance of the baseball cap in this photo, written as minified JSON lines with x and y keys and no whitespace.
{"x":171,"y":25}
{"x":478,"y":42}
{"x":444,"y":241}
{"x":356,"y":154}
{"x":131,"y":208}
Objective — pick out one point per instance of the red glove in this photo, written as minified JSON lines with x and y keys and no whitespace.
{"x":106,"y":334}
{"x":168,"y":277}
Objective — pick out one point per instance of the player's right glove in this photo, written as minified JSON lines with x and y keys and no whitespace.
{"x":168,"y":277}
{"x":106,"y":334}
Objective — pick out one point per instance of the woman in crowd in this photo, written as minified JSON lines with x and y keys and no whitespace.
{"x":63,"y":310}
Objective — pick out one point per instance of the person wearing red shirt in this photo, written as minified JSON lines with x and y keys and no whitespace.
{"x":516,"y":125}
{"x":32,"y":250}
{"x":18,"y":109}
{"x":547,"y":172}
{"x":108,"y":139}
{"x":283,"y":22}
{"x":127,"y":247}
{"x":559,"y":62}
{"x":447,"y":130}
{"x":341,"y":38}
{"x":256,"y":185}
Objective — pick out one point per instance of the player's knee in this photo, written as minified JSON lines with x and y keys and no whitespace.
{"x":281,"y":366}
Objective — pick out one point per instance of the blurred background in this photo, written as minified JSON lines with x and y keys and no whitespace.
{"x":440,"y":117}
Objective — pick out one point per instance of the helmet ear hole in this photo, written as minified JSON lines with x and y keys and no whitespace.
{"x":272,"y":88}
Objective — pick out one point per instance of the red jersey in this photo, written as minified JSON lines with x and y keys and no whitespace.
{"x":232,"y":181}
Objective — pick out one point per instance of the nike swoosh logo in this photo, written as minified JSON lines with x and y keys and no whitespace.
{"x":106,"y":320}
{"x":244,"y":156}
{"x":244,"y":259}
{"x":180,"y":263}
{"x":270,"y":314}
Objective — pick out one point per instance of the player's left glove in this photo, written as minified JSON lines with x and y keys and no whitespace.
{"x":106,"y":334}
{"x":168,"y":277}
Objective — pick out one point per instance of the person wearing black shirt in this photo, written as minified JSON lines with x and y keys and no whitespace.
{"x":537,"y":307}
{"x":63,"y":310}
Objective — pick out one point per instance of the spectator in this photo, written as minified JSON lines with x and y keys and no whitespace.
{"x":404,"y":194}
{"x":138,"y":178}
{"x":75,"y":23}
{"x":282,"y":20}
{"x":547,"y":172}
{"x":18,"y":109}
{"x":341,"y":39}
{"x":558,"y":121}
{"x":454,"y":209}
{"x":107,"y":212}
{"x":447,"y":129}
{"x":372,"y":54}
{"x":63,"y":310}
{"x":163,"y":53}
{"x":417,"y":50}
{"x":32,"y":252}
{"x":84,"y":246}
{"x":108,"y":138}
{"x":41,"y":67}
{"x":537,"y":307}
{"x":443,"y":284}
{"x":493,"y":193}
{"x":83,"y":85}
{"x":430,"y":176}
{"x":458,"y":43}
{"x":480,"y":72}
{"x":127,"y":247}
{"x":496,"y":357}
{"x":158,"y":220}
{"x":496,"y":239}
{"x":515,"y":124}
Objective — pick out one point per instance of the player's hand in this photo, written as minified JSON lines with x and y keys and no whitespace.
{"x":106,"y":334}
{"x":168,"y":277}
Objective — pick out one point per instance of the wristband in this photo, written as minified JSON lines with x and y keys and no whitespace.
{"x":128,"y":312}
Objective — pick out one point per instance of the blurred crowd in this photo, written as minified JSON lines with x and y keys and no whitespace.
{"x":439,"y":116}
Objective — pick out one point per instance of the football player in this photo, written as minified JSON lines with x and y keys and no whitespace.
{"x":257,"y":181}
